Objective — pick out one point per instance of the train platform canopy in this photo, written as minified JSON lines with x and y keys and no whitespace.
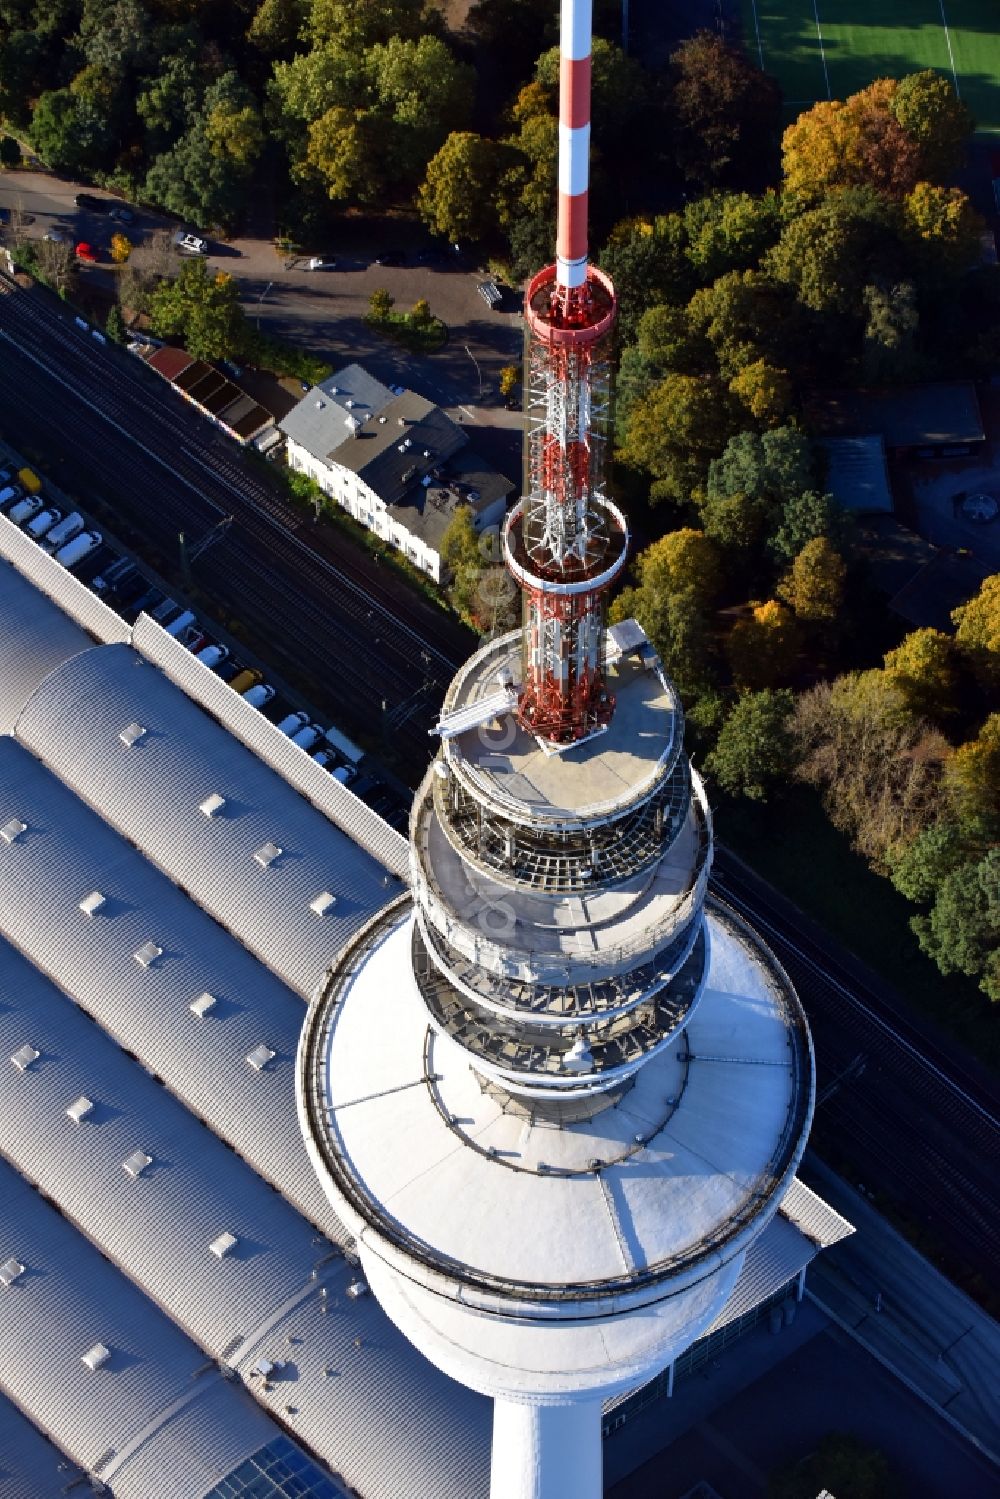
{"x":856,"y":473}
{"x":213,"y":393}
{"x":939,"y":415}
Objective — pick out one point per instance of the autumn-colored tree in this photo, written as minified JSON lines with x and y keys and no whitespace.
{"x":972,"y":775}
{"x":922,"y":668}
{"x":456,"y":196}
{"x":978,"y":631}
{"x":381,"y":303}
{"x":420,"y":313}
{"x":942,"y":227}
{"x":762,"y":648}
{"x":510,"y":374}
{"x":814,"y":586}
{"x":121,"y":248}
{"x":766,"y":392}
{"x":677,"y":577}
{"x":931,"y":113}
{"x":744,"y":315}
{"x":727,"y":111}
{"x":852,"y":143}
{"x":674,"y":433}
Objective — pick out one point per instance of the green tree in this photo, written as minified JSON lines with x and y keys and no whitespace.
{"x":195,"y":183}
{"x":942,"y":230}
{"x":770,"y":467}
{"x":425,"y":92}
{"x":919,"y":867}
{"x":927,"y":107}
{"x":802,"y":518}
{"x":735,"y":521}
{"x":380,"y":304}
{"x":746,"y":317}
{"x":420,"y":313}
{"x":202,"y":308}
{"x":890,"y":337}
{"x":167,"y":99}
{"x":275,"y":27}
{"x":70,"y":133}
{"x":962,"y":930}
{"x":456,"y":196}
{"x":726,"y":111}
{"x":922,"y":669}
{"x":755,"y":750}
{"x":828,"y":254}
{"x":978,"y":631}
{"x":764,"y":391}
{"x":677,"y":577}
{"x":115,"y":34}
{"x":23,"y":65}
{"x":233,"y":129}
{"x":683,"y":423}
{"x":730,"y":231}
{"x":114,"y":324}
{"x":762,"y":648}
{"x":815,"y":584}
{"x":646,"y":260}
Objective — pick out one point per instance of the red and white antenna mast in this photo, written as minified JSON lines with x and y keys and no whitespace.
{"x":565,"y":542}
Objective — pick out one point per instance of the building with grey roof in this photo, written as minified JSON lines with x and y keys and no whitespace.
{"x":857,"y":474}
{"x":158,"y":1202}
{"x":394,"y":460}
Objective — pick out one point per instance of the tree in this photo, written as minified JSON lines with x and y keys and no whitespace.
{"x":115,"y":34}
{"x":800,"y":520}
{"x":815,"y":585}
{"x":57,"y":263}
{"x":831,"y":252}
{"x":889,"y":352}
{"x":380,"y":304}
{"x":942,"y":229}
{"x":771,"y":467}
{"x":745,"y":317}
{"x":927,"y":107}
{"x":841,"y":1465}
{"x":972,"y":776}
{"x":853,"y":143}
{"x":726,"y":112}
{"x":735,"y":521}
{"x":275,"y":27}
{"x":203,"y":308}
{"x":343,"y":152}
{"x":121,"y":248}
{"x":420,"y":313}
{"x":962,"y":931}
{"x":233,"y":130}
{"x":755,"y":750}
{"x":510,"y":375}
{"x":193,"y":182}
{"x":455,"y":198}
{"x":421,"y":87}
{"x":762,"y":648}
{"x":877,"y":768}
{"x":114,"y":325}
{"x":922,"y":669}
{"x":766,"y":392}
{"x":68,"y":132}
{"x":677,"y":577}
{"x":673,"y":434}
{"x":978,"y":631}
{"x":730,"y":231}
{"x":919,"y":868}
{"x":646,"y":260}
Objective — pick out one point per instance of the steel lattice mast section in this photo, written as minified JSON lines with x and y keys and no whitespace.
{"x":565,"y":542}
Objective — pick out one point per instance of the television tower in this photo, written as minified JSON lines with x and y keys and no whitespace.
{"x":555,"y":1090}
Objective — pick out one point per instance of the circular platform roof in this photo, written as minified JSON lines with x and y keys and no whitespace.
{"x":468,"y":1188}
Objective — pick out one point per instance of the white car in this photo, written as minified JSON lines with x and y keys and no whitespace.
{"x":190,"y":244}
{"x":42,"y":522}
{"x":81,"y":546}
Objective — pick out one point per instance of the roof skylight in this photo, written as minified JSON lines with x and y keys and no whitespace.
{"x":97,"y":1357}
{"x":266,"y":854}
{"x":10,"y":1270}
{"x":24,"y":1057}
{"x":322,"y":903}
{"x":80,"y":1108}
{"x":212,"y":804}
{"x":12,"y":830}
{"x":202,"y":1005}
{"x":92,"y":903}
{"x":147,"y":954}
{"x":131,"y":734}
{"x":222,"y":1246}
{"x":260,"y":1056}
{"x":135,"y":1164}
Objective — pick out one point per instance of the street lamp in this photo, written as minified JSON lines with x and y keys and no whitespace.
{"x":478,"y":370}
{"x":260,"y":300}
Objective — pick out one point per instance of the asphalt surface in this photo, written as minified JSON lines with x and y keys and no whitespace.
{"x":907,"y":1112}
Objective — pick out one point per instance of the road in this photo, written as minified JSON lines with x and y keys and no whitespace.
{"x":905,"y":1111}
{"x":112,"y":434}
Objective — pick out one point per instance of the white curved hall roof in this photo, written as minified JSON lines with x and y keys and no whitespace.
{"x":35,"y":637}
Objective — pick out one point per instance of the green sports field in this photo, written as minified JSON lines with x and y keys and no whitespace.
{"x":820,"y":49}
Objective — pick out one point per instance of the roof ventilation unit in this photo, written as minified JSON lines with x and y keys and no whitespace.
{"x":24,"y":1057}
{"x":382,"y":420}
{"x":323,"y":903}
{"x":97,"y":1357}
{"x":147,"y":954}
{"x":266,"y":854}
{"x":131,"y":734}
{"x":202,"y":1005}
{"x":136,"y":1164}
{"x":92,"y":903}
{"x":11,"y":831}
{"x":259,"y":1057}
{"x":80,"y":1109}
{"x":212,"y":804}
{"x":320,"y":405}
{"x":10,"y":1270}
{"x":357,"y":1288}
{"x":349,"y":403}
{"x":223,"y":1245}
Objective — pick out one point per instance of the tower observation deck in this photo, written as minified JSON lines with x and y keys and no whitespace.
{"x":554,"y":1089}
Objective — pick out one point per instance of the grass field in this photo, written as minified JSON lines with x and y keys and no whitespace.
{"x":827,"y":49}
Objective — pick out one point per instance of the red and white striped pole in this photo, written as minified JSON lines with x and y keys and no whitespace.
{"x":574,"y":142}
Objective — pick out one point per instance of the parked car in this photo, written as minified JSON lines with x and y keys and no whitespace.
{"x":307,"y":736}
{"x":211,"y":655}
{"x":390,"y":257}
{"x":490,"y":293}
{"x":259,"y":694}
{"x":236,"y":370}
{"x":177,"y":626}
{"x":42,"y":522}
{"x":317,"y":263}
{"x":292,"y":723}
{"x":25,"y":509}
{"x":56,"y":236}
{"x":81,"y":546}
{"x":344,"y":774}
{"x":323,"y":758}
{"x":123,"y":214}
{"x":64,"y":531}
{"x":92,"y":203}
{"x":246,"y":677}
{"x":190,"y":244}
{"x":86,"y":252}
{"x":9,"y":494}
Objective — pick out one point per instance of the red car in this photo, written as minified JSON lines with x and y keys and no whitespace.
{"x":86,"y":252}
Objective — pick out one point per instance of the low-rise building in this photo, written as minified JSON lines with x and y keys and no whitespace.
{"x":395,"y":461}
